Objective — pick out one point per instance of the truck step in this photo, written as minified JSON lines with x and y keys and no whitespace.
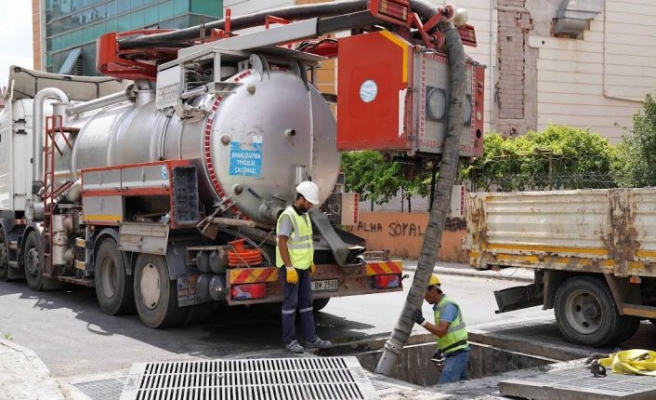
{"x":13,"y":245}
{"x":13,"y":264}
{"x":79,"y":242}
{"x":77,"y":281}
{"x":80,"y":264}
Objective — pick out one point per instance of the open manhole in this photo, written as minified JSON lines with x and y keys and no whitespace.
{"x":332,"y":378}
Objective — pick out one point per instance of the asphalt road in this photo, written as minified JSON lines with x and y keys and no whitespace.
{"x":67,"y":330}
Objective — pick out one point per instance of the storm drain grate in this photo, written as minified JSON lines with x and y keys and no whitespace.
{"x":104,"y":389}
{"x":332,"y":378}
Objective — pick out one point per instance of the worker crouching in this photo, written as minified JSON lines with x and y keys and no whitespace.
{"x":452,"y":355}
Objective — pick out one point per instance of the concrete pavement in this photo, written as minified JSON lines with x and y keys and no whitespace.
{"x":23,"y":376}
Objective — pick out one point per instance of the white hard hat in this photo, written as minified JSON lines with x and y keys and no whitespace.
{"x":309,"y":190}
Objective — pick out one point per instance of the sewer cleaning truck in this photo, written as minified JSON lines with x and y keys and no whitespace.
{"x":593,"y":253}
{"x":159,"y":184}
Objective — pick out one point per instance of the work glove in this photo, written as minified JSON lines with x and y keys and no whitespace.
{"x":312,"y":268}
{"x":292,"y":275}
{"x":418,"y":317}
{"x":438,"y":358}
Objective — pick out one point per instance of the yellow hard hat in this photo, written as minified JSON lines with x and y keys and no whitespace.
{"x":434,"y":281}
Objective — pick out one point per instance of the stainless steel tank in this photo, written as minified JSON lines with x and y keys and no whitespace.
{"x":254,"y":145}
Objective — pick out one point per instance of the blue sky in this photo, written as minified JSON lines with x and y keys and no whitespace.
{"x":16,"y":36}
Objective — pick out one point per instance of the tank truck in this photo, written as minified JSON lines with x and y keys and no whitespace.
{"x":159,"y":184}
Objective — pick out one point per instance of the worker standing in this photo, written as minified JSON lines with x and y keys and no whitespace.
{"x":295,"y":262}
{"x":452,"y":354}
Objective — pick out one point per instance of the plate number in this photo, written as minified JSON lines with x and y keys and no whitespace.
{"x":329,"y":285}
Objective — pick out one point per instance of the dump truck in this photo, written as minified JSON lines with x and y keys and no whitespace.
{"x":159,"y":184}
{"x":593,"y":254}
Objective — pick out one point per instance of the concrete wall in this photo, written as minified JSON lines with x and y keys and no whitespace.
{"x":37,"y":38}
{"x":403,"y":234}
{"x":483,"y":16}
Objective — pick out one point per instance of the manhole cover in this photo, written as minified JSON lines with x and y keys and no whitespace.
{"x":332,"y":378}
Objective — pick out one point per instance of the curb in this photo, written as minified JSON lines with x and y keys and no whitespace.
{"x":24,"y":376}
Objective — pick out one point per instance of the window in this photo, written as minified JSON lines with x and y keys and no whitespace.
{"x":165,"y":10}
{"x":123,"y":6}
{"x":151,"y":15}
{"x":209,"y":8}
{"x":124,"y":23}
{"x":137,"y":19}
{"x":180,"y":7}
{"x":110,"y":9}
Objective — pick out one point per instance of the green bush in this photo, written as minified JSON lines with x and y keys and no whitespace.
{"x":559,"y":157}
{"x":637,"y":151}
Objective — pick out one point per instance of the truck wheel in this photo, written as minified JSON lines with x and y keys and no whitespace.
{"x":155,"y":294}
{"x":319,"y":304}
{"x":114,"y":288}
{"x":629,"y":326}
{"x":32,"y":261}
{"x":4,"y":262}
{"x":586,"y":312}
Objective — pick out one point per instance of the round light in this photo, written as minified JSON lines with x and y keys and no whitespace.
{"x":467,"y":111}
{"x":461,"y":17}
{"x":436,"y":103}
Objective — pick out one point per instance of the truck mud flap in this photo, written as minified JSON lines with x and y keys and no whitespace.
{"x":518,"y":297}
{"x":348,"y":257}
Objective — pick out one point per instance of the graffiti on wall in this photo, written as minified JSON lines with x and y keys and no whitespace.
{"x":407,"y":229}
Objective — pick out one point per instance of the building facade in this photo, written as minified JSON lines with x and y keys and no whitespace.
{"x":65,"y":31}
{"x":583,"y":63}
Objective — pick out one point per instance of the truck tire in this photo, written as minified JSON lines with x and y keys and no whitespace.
{"x":629,"y":326}
{"x":4,"y":261}
{"x":114,"y":287}
{"x":32,"y":261}
{"x":586,"y":312}
{"x":320,"y":304}
{"x":155,"y":294}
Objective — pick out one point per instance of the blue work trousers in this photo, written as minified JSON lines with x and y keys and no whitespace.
{"x":296,"y":296}
{"x":455,"y":368}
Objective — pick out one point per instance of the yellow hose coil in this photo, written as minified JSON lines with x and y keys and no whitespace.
{"x":635,"y":362}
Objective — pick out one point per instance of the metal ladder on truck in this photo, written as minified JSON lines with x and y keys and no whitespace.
{"x":54,"y":127}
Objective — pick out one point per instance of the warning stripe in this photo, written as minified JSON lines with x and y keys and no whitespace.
{"x":384,"y":267}
{"x":240,"y":276}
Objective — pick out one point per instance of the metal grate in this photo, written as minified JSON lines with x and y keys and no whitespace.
{"x":333,"y":378}
{"x":104,"y":389}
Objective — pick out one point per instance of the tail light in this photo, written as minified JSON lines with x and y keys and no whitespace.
{"x":387,"y":281}
{"x":250,"y":291}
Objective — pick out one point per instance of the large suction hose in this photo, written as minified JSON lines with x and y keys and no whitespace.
{"x":423,"y":8}
{"x":39,"y":131}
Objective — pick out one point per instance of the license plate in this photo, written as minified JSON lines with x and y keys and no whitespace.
{"x":328,"y":285}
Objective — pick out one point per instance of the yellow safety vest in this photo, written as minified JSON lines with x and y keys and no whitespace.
{"x":457,"y":331}
{"x":301,"y":251}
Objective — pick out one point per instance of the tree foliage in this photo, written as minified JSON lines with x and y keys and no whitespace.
{"x":559,"y":157}
{"x":637,"y":151}
{"x":367,"y":173}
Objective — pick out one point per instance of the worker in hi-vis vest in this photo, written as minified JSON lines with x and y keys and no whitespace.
{"x":452,"y":355}
{"x":295,"y":262}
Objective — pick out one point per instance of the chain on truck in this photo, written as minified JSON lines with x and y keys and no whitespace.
{"x":160,"y":183}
